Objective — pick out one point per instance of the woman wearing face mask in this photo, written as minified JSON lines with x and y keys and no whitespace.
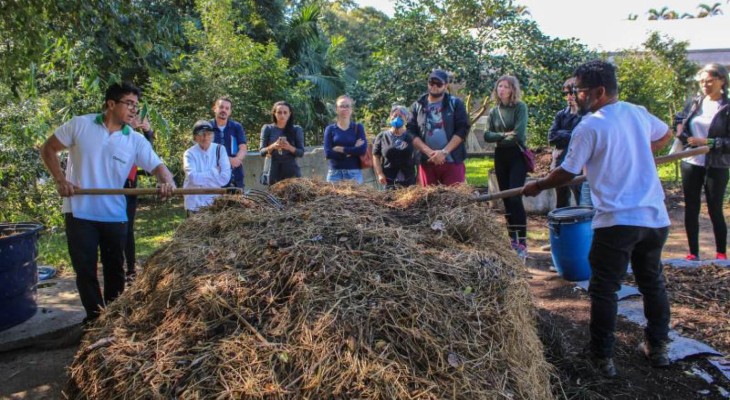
{"x":507,"y":128}
{"x":283,"y":142}
{"x":707,"y":123}
{"x":393,"y":152}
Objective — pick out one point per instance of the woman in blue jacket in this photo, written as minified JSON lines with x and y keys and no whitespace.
{"x":344,"y":142}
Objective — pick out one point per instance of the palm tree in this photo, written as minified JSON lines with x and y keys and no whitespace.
{"x":663,"y":13}
{"x":709,"y":11}
{"x":634,"y":17}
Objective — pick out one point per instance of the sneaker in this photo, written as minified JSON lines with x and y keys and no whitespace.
{"x":605,"y":366}
{"x":658,"y":354}
{"x":520,"y":249}
{"x":129,"y":279}
{"x":721,"y":256}
{"x":692,"y":257}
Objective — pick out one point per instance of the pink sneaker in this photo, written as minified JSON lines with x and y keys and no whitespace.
{"x":692,"y":257}
{"x":721,"y":256}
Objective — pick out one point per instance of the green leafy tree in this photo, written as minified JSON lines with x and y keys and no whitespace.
{"x":646,"y":80}
{"x":224,"y":63}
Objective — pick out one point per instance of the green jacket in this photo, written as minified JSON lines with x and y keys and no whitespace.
{"x":515,"y":119}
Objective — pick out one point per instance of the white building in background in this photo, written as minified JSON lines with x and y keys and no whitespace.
{"x":709,"y":38}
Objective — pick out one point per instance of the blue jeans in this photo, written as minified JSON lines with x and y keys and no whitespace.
{"x":338,"y":175}
{"x":585,"y":195}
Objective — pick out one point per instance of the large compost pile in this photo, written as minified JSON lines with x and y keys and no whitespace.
{"x":348,"y":293}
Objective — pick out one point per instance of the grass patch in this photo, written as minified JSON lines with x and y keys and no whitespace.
{"x":154,"y":226}
{"x":476,"y":170}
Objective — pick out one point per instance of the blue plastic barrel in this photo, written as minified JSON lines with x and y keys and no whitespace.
{"x":18,"y":272}
{"x":570,"y":241}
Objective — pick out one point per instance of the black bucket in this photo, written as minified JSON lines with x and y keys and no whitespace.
{"x":18,"y":272}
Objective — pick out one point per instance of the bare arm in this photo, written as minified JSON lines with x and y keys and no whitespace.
{"x":49,"y":154}
{"x":661,"y":143}
{"x":165,"y":181}
{"x":556,"y":178}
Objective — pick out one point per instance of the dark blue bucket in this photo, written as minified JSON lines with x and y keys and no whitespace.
{"x":570,"y":241}
{"x":18,"y":272}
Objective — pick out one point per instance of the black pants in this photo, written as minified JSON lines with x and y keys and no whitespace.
{"x":511,"y":171}
{"x":563,"y":195}
{"x":130,"y":257}
{"x":714,"y":181}
{"x":611,"y":251}
{"x":86,"y":239}
{"x":283,"y":169}
{"x":408,"y":176}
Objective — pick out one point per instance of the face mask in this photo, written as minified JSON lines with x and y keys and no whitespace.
{"x":396,"y":122}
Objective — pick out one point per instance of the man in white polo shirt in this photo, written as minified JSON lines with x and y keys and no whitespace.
{"x":101,"y":150}
{"x":615,"y":144}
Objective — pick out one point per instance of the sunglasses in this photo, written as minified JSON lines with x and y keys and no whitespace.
{"x":567,"y":92}
{"x":435,"y":82}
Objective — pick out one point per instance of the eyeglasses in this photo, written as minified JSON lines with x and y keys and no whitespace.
{"x":435,"y":82}
{"x":131,"y":106}
{"x":568,"y":91}
{"x":575,"y":90}
{"x":345,"y":106}
{"x":707,"y":81}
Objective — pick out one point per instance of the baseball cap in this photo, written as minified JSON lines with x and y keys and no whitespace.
{"x":201,"y":127}
{"x":439,"y":74}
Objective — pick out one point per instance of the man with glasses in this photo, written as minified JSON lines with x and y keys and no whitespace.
{"x":439,"y":125}
{"x":559,"y":137}
{"x":631,"y":224}
{"x":101,"y":150}
{"x":232,"y":136}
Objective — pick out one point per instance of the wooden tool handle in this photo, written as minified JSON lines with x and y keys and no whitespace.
{"x":153,"y":191}
{"x":580,"y":178}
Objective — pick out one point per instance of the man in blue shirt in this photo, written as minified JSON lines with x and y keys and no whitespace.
{"x":232,"y":136}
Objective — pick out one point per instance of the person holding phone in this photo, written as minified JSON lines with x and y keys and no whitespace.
{"x":283,"y":142}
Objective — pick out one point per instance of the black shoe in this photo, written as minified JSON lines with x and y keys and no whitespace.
{"x":658,"y":354}
{"x":605,"y":366}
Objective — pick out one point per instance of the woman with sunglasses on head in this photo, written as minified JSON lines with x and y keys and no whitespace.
{"x":393,"y":152}
{"x":507,"y":128}
{"x":559,"y":137}
{"x":283,"y":142}
{"x":344,"y":143}
{"x":706,"y":123}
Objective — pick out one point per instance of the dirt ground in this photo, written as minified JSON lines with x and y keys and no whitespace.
{"x":563,"y":315}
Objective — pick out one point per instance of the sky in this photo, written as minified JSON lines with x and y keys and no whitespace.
{"x":598,"y":22}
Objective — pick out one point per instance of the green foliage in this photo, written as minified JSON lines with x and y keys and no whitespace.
{"x":646,"y":80}
{"x":26,"y":192}
{"x":224,"y":64}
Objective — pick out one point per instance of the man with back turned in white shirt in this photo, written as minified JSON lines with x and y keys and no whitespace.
{"x":615,"y":144}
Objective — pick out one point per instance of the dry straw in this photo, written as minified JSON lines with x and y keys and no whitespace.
{"x":346,"y":294}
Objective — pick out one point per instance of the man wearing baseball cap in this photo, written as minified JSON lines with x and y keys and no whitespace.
{"x":439,"y":125}
{"x":206,"y":165}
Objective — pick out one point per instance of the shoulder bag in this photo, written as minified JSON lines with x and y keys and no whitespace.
{"x":527,"y":154}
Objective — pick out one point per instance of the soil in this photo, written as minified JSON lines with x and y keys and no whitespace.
{"x":563,"y":313}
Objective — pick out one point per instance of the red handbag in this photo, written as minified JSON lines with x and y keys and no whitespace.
{"x":529,"y":157}
{"x":366,"y":159}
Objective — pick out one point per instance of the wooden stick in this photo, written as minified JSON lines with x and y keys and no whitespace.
{"x":580,"y":178}
{"x":147,"y":191}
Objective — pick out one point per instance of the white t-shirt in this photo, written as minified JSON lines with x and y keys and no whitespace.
{"x":614,"y":145}
{"x":100,"y":160}
{"x":700,"y":126}
{"x":204,"y":169}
